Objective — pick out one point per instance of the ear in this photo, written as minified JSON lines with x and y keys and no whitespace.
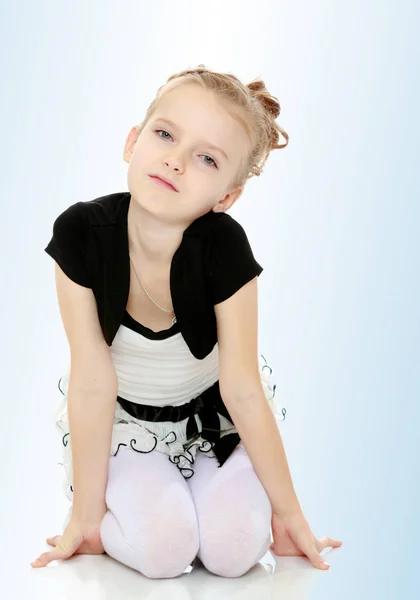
{"x":230,"y":199}
{"x":131,"y":143}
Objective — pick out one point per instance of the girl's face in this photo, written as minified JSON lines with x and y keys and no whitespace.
{"x":183,"y":151}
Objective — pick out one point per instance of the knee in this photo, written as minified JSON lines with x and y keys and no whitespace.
{"x":169,"y":548}
{"x":162,"y":550}
{"x":233,"y":554}
{"x":234,"y":538}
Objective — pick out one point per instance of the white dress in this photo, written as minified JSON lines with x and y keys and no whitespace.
{"x":156,"y":369}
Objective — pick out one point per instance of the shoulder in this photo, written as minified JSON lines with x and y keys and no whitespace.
{"x":106,"y":210}
{"x":70,"y":221}
{"x":229,"y":241}
{"x":99,"y":211}
{"x":221,"y":233}
{"x":231,"y":262}
{"x":227,"y":231}
{"x":213,"y":224}
{"x":70,"y":243}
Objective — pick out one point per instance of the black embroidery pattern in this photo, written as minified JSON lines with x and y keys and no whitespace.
{"x":134,"y":441}
{"x":178,"y":459}
{"x":266,"y":366}
{"x":58,"y":385}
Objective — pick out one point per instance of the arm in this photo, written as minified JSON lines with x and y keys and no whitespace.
{"x":91,"y":397}
{"x":242,"y":393}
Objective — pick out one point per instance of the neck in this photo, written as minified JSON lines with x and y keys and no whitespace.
{"x":150,"y":238}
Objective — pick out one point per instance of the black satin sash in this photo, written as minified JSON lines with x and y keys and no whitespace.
{"x":207,"y":406}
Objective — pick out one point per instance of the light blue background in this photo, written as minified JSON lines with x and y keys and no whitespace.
{"x":334,"y":220}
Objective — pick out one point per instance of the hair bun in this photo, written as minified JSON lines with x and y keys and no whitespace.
{"x":270,"y":103}
{"x":257,"y":85}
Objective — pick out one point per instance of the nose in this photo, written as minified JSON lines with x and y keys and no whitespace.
{"x":175,"y":163}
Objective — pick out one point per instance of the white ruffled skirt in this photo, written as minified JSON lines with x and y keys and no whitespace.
{"x":147,"y":436}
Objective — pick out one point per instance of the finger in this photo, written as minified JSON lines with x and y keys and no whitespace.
{"x":54,"y":541}
{"x":317,"y":560}
{"x":56,"y":554}
{"x":327,"y":542}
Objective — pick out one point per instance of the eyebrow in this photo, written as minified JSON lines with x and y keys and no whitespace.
{"x":172,"y":124}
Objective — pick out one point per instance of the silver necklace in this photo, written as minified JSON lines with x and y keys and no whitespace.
{"x":164,"y":309}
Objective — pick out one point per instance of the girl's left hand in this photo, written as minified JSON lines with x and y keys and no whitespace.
{"x":293,"y":537}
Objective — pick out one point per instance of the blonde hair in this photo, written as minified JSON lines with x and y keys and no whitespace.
{"x":257,"y":112}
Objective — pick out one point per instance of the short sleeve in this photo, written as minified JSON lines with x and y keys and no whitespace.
{"x":68,"y":244}
{"x":233,"y":261}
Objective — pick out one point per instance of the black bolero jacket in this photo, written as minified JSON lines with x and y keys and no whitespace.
{"x":213,"y":261}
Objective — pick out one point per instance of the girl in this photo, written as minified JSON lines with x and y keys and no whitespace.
{"x":170,"y":445}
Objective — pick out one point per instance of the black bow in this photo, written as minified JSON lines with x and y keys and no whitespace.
{"x":208,"y":409}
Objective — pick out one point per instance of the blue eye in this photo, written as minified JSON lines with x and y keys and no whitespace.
{"x":210,"y":159}
{"x":159,"y":130}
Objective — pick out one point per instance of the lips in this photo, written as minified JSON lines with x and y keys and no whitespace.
{"x":164,"y":180}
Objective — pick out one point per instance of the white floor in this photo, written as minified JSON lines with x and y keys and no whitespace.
{"x":100,"y":577}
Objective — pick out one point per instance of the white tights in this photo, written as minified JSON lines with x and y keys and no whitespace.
{"x":157,"y":521}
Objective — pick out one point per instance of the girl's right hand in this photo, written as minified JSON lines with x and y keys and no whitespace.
{"x":78,"y":538}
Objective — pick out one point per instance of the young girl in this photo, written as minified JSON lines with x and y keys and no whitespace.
{"x":170,"y":445}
